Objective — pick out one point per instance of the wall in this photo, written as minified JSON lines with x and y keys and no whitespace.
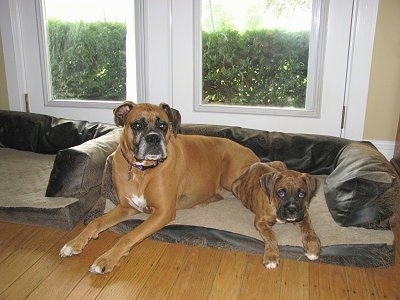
{"x":3,"y":84}
{"x":383,"y":105}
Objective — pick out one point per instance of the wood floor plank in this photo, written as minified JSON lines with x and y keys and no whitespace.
{"x":25,"y":254}
{"x":228,"y":281}
{"x":361,"y":283}
{"x":71,"y":270}
{"x":295,"y":280}
{"x":39,"y":271}
{"x":197,"y":275}
{"x":387,"y":281}
{"x":165,"y":273}
{"x":11,"y":242}
{"x":328,"y":281}
{"x":259,"y":281}
{"x":32,"y":269}
{"x":133,"y":273}
{"x":8,"y":231}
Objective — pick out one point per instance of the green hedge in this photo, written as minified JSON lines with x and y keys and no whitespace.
{"x":87,"y":60}
{"x":261,"y":67}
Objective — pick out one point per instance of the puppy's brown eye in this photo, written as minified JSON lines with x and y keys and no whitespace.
{"x":301,"y":194}
{"x":281,"y":193}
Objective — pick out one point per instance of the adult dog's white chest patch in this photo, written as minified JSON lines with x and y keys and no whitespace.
{"x":138,"y":202}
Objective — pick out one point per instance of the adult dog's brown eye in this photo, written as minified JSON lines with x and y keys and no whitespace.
{"x":163,"y":126}
{"x":136,"y":125}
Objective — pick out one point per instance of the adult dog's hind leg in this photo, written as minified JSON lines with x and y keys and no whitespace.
{"x":92,"y":230}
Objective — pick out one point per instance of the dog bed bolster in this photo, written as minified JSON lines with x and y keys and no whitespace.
{"x":361,"y":190}
{"x":79,"y":169}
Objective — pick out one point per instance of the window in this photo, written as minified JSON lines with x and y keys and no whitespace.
{"x":86,"y":51}
{"x":255,"y":53}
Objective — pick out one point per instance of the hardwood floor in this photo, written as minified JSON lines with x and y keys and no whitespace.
{"x":30,"y":268}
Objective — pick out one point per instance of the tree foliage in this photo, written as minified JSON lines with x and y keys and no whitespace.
{"x":260,"y":67}
{"x":257,"y":67}
{"x":87,"y":60}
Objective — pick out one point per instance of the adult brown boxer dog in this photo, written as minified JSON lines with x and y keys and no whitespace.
{"x":155,"y":170}
{"x":276,"y":194}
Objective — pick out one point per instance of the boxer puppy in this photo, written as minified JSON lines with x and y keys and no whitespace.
{"x":276,"y":194}
{"x":155,"y":170}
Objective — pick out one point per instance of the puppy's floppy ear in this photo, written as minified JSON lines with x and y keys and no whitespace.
{"x":174,"y":117}
{"x":268,"y":181}
{"x":236,"y":187}
{"x":312,"y":184}
{"x":121,"y":111}
{"x":242,"y":187}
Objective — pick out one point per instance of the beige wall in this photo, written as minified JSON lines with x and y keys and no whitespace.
{"x":384,"y":89}
{"x":3,"y":84}
{"x":384,"y":93}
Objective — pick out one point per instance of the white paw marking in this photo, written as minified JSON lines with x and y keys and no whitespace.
{"x":67,"y":251}
{"x":95,"y":269}
{"x":311,"y":256}
{"x":271,"y":265}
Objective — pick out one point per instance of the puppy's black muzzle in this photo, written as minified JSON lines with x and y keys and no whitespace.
{"x":290,"y":211}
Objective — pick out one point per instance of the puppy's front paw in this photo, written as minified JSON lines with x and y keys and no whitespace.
{"x":311,"y":256}
{"x":271,"y":264}
{"x":312,"y":249}
{"x":271,"y":261}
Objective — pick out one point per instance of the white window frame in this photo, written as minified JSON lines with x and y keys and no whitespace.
{"x":314,"y":79}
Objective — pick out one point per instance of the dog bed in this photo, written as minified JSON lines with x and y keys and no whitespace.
{"x":356,"y":199}
{"x":351,"y":212}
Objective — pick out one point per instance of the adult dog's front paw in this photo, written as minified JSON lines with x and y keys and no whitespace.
{"x":104,"y":264}
{"x":71,"y":248}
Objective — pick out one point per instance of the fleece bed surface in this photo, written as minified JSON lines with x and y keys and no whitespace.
{"x":24,"y":178}
{"x":228,"y":224}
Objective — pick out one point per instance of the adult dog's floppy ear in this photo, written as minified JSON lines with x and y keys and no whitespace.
{"x":121,"y":111}
{"x":174,"y":117}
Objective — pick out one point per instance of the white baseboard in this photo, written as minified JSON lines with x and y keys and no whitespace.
{"x":385,"y":147}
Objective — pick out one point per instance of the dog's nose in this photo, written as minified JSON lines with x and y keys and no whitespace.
{"x":291,"y":208}
{"x":153,"y":138}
